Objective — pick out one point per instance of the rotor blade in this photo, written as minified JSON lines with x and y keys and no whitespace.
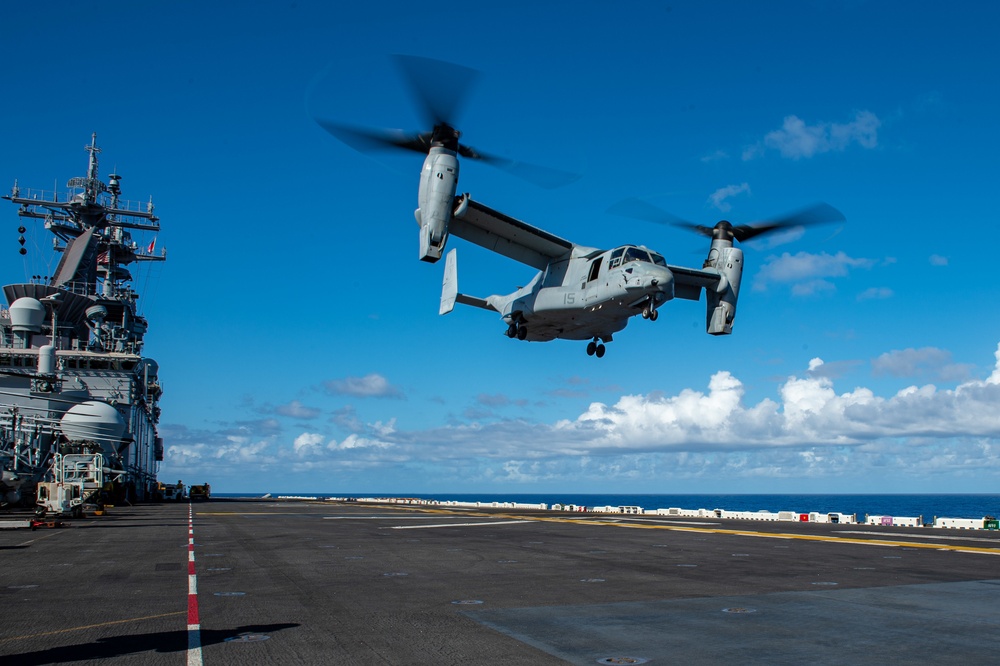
{"x":440,"y":87}
{"x":539,"y":175}
{"x":641,"y":209}
{"x":818,"y":214}
{"x":368,"y":140}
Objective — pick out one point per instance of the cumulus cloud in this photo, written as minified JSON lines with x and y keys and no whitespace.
{"x":347,"y":418}
{"x":807,"y":272}
{"x":718,"y":198}
{"x":834,"y":370}
{"x":357,"y":442}
{"x":370,"y":386}
{"x":925,"y":362}
{"x":307,"y":443}
{"x":297,"y":410}
{"x":227,"y":451}
{"x":810,"y":413}
{"x":807,"y":428}
{"x":938,"y":260}
{"x":796,"y":140}
{"x":495,"y":400}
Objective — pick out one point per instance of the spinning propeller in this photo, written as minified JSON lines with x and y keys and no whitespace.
{"x":438,"y":89}
{"x":724,"y":230}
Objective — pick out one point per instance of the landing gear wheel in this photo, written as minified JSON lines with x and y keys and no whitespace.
{"x":591,"y":348}
{"x":522,"y":332}
{"x":600,"y":351}
{"x":646,"y":312}
{"x":511,"y":331}
{"x":653,"y":314}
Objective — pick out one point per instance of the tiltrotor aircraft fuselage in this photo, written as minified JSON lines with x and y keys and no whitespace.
{"x":579,"y":292}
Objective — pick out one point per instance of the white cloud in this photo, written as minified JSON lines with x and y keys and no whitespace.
{"x":353,"y":441}
{"x":796,"y":140}
{"x":716,"y":156}
{"x":809,"y":414}
{"x":297,"y":410}
{"x":938,"y":260}
{"x":307,"y":443}
{"x":370,"y":386}
{"x":875,"y":293}
{"x":834,"y":370}
{"x":496,"y":400}
{"x":994,"y":377}
{"x":807,"y":271}
{"x":924,"y":362}
{"x":808,"y":429}
{"x":718,"y":198}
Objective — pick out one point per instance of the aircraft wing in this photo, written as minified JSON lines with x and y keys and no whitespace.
{"x":504,"y":235}
{"x":688,"y":282}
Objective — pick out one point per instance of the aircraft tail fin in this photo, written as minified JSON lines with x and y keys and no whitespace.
{"x":449,"y":288}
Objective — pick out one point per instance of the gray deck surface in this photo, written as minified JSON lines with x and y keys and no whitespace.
{"x":320,"y":583}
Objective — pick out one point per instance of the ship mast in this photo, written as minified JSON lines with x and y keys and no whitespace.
{"x":93,"y":225}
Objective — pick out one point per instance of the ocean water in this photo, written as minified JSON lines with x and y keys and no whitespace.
{"x":928,"y":506}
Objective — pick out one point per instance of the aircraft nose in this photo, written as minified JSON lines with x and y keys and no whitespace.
{"x":662,"y":278}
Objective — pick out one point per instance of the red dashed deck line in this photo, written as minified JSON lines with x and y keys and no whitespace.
{"x":193,"y":621}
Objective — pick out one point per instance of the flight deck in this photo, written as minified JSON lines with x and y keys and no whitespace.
{"x":265,"y":581}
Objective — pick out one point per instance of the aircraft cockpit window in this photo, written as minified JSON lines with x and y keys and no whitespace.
{"x":635,"y":254}
{"x":658,"y":259}
{"x":616,"y":257}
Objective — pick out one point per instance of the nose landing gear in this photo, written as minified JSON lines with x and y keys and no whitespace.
{"x":595,"y":349}
{"x":649,"y":313}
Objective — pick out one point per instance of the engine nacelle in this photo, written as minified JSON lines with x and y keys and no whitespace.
{"x":721,"y":309}
{"x":438,"y":182}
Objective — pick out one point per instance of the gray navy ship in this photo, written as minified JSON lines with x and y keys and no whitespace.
{"x":78,"y":398}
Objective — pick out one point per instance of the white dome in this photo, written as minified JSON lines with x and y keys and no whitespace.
{"x":27,"y":314}
{"x":96,"y":421}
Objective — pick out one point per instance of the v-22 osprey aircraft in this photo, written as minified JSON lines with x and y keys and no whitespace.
{"x":579,"y":292}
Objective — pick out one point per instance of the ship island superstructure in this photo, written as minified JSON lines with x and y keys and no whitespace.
{"x":78,"y":399}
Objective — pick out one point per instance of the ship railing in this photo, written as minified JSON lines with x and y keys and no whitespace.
{"x":56,"y":196}
{"x":39,"y":195}
{"x":137,"y":214}
{"x":25,"y":438}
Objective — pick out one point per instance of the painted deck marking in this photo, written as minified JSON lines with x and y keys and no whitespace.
{"x":90,"y":626}
{"x":424,"y":527}
{"x":193,"y":622}
{"x":647,"y":525}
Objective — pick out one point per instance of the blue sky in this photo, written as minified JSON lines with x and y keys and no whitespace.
{"x":298,"y":335}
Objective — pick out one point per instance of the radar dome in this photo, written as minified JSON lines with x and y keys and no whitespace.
{"x":94,"y":421}
{"x":27,"y":314}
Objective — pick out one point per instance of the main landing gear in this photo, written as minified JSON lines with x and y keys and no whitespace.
{"x":517,"y":330}
{"x":649,"y":313}
{"x":595,"y":349}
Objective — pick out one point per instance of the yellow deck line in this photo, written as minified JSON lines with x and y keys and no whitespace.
{"x":672,"y":528}
{"x":91,"y":626}
{"x":715,"y":530}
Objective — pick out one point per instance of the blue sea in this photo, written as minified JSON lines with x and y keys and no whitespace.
{"x":928,"y":506}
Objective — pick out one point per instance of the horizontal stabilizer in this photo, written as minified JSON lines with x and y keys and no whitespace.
{"x":475,"y":302}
